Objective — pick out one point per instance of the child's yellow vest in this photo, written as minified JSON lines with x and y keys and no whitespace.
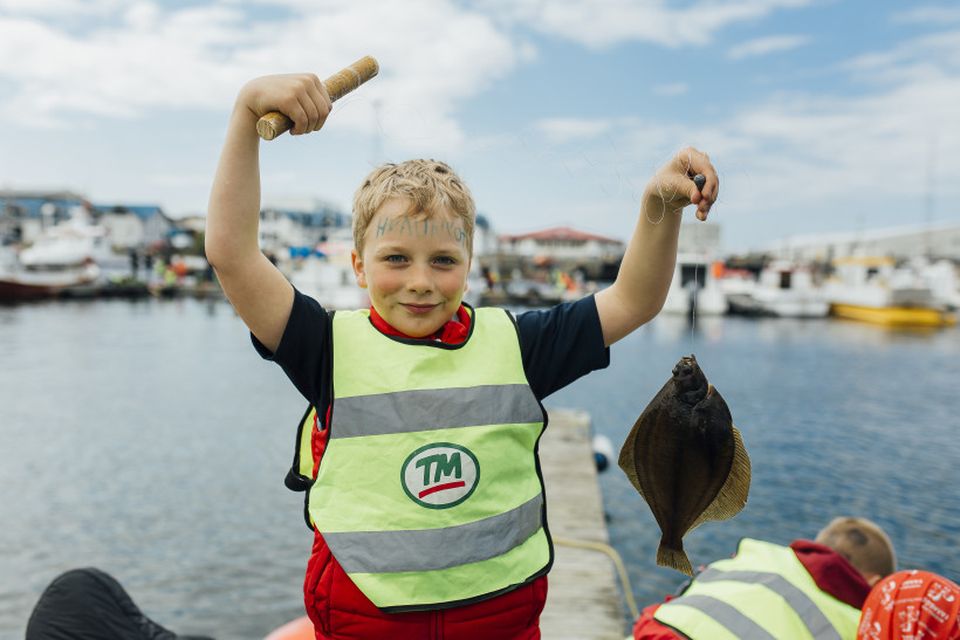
{"x":429,"y":492}
{"x":763,"y":593}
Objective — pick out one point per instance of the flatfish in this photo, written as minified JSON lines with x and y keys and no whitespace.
{"x":687,"y":460}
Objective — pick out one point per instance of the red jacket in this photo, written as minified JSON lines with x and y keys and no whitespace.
{"x":340,"y":611}
{"x":831,"y":571}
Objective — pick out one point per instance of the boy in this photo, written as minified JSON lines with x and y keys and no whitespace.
{"x":428,"y":503}
{"x":807,"y":590}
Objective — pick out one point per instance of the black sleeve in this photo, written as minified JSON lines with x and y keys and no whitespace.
{"x":561,"y":344}
{"x":303,"y":352}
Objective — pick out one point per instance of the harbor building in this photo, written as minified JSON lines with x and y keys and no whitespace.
{"x":934,"y":241}
{"x":593,"y":256}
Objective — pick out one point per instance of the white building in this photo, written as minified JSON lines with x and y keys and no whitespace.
{"x":936,"y":241}
{"x":562,"y":244}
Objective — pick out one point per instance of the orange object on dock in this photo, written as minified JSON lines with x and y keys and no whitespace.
{"x":299,"y":629}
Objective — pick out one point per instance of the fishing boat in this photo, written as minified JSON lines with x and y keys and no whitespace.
{"x":60,"y":260}
{"x":784,"y":290}
{"x":875,"y":290}
{"x":943,"y":278}
{"x":26,"y":283}
{"x":67,"y":257}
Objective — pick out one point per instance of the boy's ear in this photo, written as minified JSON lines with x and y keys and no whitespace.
{"x":358,"y":271}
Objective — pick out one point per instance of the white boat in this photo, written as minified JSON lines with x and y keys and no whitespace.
{"x":23,"y":283}
{"x":942,"y":278}
{"x":874,"y":289}
{"x":787,"y":290}
{"x":694,"y":288}
{"x":330,"y":282}
{"x":64,"y":256}
{"x":325,"y":274}
{"x":69,"y":244}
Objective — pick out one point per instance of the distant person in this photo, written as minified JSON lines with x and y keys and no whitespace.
{"x":912,"y":605}
{"x":134,"y":263}
{"x":89,"y":604}
{"x":809,"y":590}
{"x":424,"y":484}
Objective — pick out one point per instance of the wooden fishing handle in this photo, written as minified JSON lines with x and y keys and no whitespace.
{"x":338,"y":85}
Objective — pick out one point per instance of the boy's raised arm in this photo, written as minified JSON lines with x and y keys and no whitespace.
{"x":639,"y":291}
{"x":256,"y":289}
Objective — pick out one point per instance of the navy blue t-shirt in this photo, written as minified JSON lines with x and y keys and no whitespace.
{"x":557,"y":345}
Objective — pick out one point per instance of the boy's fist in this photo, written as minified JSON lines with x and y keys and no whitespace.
{"x":299,"y":96}
{"x":673,"y":185}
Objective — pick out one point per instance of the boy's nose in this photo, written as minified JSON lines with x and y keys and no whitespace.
{"x":420,"y":280}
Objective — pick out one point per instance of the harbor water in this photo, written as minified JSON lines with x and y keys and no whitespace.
{"x":148,"y":439}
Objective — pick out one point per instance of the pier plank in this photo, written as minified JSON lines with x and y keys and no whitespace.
{"x":583,"y":601}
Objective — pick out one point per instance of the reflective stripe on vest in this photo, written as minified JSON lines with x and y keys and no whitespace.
{"x":429,"y":491}
{"x":431,"y":409}
{"x":764,"y":592}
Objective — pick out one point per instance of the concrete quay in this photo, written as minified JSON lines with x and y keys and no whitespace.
{"x":583,"y":601}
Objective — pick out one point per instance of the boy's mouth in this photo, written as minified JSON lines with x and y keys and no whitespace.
{"x":419,"y":308}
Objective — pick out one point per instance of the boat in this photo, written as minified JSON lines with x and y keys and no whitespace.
{"x":943,"y":279}
{"x":325,"y":273}
{"x":61,"y":259}
{"x":71,"y":256}
{"x":875,"y":290}
{"x":694,"y":289}
{"x":71,"y":243}
{"x":26,"y":283}
{"x":784,"y":290}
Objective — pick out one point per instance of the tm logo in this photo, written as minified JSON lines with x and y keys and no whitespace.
{"x":440,"y":475}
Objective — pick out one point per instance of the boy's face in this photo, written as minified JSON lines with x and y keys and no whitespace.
{"x":413,"y":267}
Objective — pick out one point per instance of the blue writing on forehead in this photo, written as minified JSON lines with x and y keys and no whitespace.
{"x":429,"y":227}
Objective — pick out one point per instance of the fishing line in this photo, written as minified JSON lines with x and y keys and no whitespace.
{"x":700,"y":180}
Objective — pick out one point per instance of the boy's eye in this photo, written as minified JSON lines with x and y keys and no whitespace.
{"x":445,"y":260}
{"x":396,"y":258}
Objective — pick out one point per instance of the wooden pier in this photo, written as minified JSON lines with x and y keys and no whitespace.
{"x":583,"y":601}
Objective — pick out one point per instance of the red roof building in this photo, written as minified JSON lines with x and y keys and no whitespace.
{"x":562,"y":243}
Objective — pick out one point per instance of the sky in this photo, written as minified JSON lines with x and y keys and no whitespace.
{"x":820,"y":115}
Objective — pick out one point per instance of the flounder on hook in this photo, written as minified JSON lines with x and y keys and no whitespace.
{"x":687,"y":460}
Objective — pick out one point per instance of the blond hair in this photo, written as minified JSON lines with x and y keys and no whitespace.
{"x":863,"y":543}
{"x":429,"y":185}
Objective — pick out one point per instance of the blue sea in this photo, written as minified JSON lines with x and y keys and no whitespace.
{"x":148,"y":439}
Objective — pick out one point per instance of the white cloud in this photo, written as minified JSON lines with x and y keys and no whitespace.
{"x":927,"y":56}
{"x":145,"y":56}
{"x":801,"y":161}
{"x":59,"y":8}
{"x":673,"y":89}
{"x":763,"y":46}
{"x":935,"y":15}
{"x":826,"y":156}
{"x":560,"y":130}
{"x":603,"y":24}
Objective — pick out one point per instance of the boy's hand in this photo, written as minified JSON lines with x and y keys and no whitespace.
{"x":672,"y":187}
{"x":299,"y":96}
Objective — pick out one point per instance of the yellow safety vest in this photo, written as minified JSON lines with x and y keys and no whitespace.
{"x":763,"y":593}
{"x":429,"y":493}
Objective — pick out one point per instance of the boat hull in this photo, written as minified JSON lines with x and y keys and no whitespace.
{"x":894,"y":316}
{"x":13,"y":290}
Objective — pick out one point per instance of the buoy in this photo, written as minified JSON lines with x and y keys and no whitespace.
{"x":602,"y":451}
